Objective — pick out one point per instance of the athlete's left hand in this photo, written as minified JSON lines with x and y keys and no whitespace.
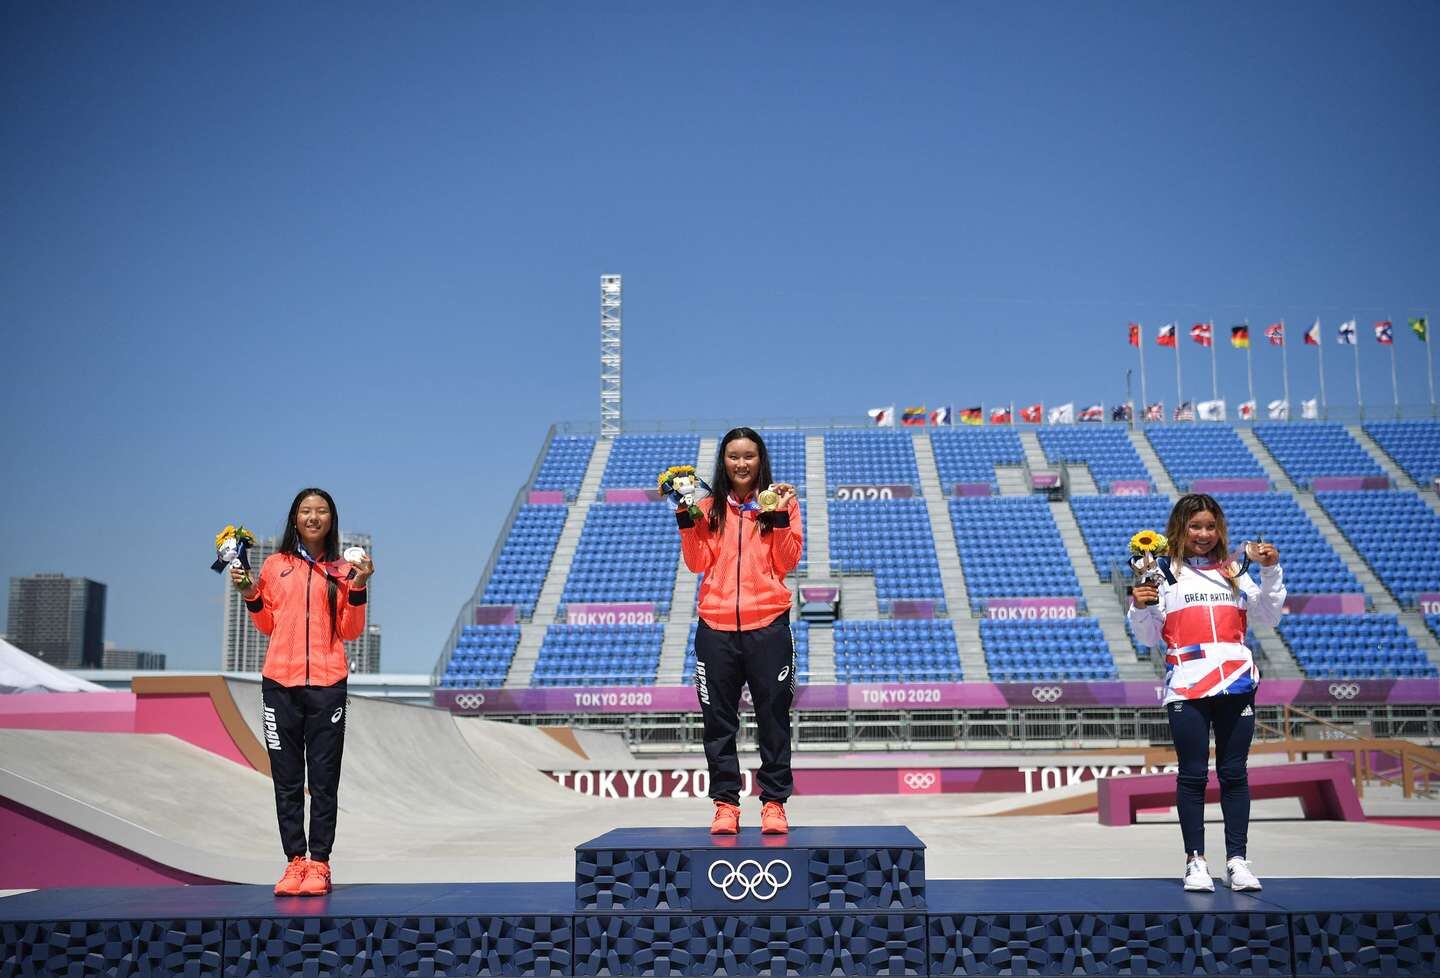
{"x":363,"y":570}
{"x":785,"y":491}
{"x":1264,"y":554}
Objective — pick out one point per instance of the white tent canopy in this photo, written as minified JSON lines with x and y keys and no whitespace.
{"x":21,"y":672}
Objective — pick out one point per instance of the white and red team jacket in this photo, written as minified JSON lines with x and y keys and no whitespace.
{"x":1201,"y":624}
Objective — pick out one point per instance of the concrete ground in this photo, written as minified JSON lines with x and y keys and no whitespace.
{"x":425,"y":798}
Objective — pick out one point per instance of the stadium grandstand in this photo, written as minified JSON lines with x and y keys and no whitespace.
{"x":953,"y":559}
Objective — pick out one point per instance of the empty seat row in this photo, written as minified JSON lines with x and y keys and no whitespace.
{"x":1105,"y":449}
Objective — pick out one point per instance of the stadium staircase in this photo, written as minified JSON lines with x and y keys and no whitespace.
{"x":1376,"y":594}
{"x":1011,"y":479}
{"x":952,"y":575}
{"x":682,"y":601}
{"x":817,"y":547}
{"x":1158,"y":474}
{"x":532,"y":633}
{"x":1397,"y":475}
{"x":1100,"y":597}
{"x":1034,"y":454}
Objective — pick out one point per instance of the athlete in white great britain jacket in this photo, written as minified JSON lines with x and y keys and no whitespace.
{"x":1201,"y":623}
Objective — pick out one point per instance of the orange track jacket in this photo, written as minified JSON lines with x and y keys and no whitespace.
{"x":292,"y":609}
{"x":744,"y":586}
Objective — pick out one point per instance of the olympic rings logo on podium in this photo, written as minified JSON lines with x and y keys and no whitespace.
{"x":919,"y":780}
{"x":1344,"y":691}
{"x":470,"y":701}
{"x":760,"y":882}
{"x":1046,"y":694}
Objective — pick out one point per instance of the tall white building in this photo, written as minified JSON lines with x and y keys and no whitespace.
{"x":243,"y":647}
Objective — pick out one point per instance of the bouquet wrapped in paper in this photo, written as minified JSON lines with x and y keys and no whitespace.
{"x":683,"y":487}
{"x":232,"y":546}
{"x":1148,"y":563}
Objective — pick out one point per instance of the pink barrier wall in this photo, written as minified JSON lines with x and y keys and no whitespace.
{"x":92,"y":712}
{"x":190,"y":717}
{"x":38,"y":851}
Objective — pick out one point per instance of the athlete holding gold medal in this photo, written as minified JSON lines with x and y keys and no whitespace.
{"x":743,"y":532}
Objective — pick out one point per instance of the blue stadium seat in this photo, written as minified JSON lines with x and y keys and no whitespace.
{"x":1414,"y":445}
{"x":636,"y":460}
{"x":870,"y":458}
{"x":1202,"y":451}
{"x":1307,"y":451}
{"x":787,"y":457}
{"x":918,"y":650}
{"x":1104,"y":448}
{"x":1354,"y":647}
{"x":1046,"y":651}
{"x":1396,"y":534}
{"x":627,"y":552}
{"x":525,"y":558}
{"x":1009,"y":548}
{"x":970,"y":454}
{"x":1311,"y":565}
{"x":891,"y":539}
{"x":1108,"y":522}
{"x":598,"y":655}
{"x":564,"y":464}
{"x":481,"y":657}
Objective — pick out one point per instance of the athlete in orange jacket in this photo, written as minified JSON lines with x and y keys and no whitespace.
{"x":309,"y":602}
{"x":744,"y":633}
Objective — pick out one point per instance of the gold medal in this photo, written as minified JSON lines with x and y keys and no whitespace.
{"x":769,"y":500}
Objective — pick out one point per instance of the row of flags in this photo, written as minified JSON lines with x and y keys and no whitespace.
{"x":1204,"y":333}
{"x":1215,"y":410}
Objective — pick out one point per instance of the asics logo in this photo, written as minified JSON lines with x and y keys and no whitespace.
{"x":1046,"y":694}
{"x":919,"y":780}
{"x":749,"y":878}
{"x":1344,"y":691}
{"x":335,"y":717}
{"x":783,"y":673}
{"x":470,"y":701}
{"x":286,"y":572}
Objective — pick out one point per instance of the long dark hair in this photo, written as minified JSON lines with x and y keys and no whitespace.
{"x":1175,"y":532}
{"x":290,"y":544}
{"x":720,"y":482}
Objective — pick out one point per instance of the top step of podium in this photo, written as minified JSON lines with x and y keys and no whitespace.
{"x":828,"y":867}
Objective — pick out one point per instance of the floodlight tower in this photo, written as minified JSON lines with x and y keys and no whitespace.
{"x":609,"y":356}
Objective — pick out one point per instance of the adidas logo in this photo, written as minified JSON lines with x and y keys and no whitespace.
{"x":1247,"y":712}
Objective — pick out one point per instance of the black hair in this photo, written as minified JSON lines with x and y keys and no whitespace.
{"x":290,"y":544}
{"x":1185,"y":508}
{"x":720,"y":481}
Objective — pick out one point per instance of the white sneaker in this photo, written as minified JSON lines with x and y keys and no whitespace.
{"x":1197,"y":876}
{"x":1237,"y":871}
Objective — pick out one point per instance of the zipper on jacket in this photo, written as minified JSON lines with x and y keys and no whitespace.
{"x":739,"y":546}
{"x":309,"y":579}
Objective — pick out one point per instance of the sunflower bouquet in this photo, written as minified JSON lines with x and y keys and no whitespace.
{"x":1146,"y":550}
{"x":232,"y":546}
{"x":682,"y":486}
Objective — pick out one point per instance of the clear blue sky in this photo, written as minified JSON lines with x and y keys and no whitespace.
{"x":252,"y":247}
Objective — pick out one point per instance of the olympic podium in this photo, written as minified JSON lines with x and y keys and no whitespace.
{"x":677,"y":902}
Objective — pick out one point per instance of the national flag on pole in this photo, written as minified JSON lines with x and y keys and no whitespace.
{"x":1166,"y":336}
{"x":1064,"y":414}
{"x":1211,"y":410}
{"x":1247,"y":410}
{"x":1032,"y":414}
{"x":1095,"y":412}
{"x":1310,"y":409}
{"x":1001,"y":415}
{"x":913,"y":417}
{"x":884,"y":417}
{"x":1185,"y":412}
{"x":1384,"y":334}
{"x":1240,"y":337}
{"x":1279,"y":410}
{"x":1420,"y":327}
{"x":1203,"y":333}
{"x":1122,"y":412}
{"x":1134,"y":334}
{"x":943,"y":416}
{"x":1275,"y":333}
{"x":972,"y":415}
{"x":1347,"y":334}
{"x":1312,"y":335}
{"x":1155,"y":412}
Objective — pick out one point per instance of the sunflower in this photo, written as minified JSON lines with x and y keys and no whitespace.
{"x":1147,"y":542}
{"x":238,"y":533}
{"x":224,"y":535}
{"x":673,"y":472}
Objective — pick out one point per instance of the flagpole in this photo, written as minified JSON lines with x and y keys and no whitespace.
{"x":1320,"y":345}
{"x":1394,"y":380}
{"x":1429,"y":367}
{"x":1355,"y":336}
{"x":1249,"y":366}
{"x":1141,"y":345}
{"x":1179,"y":394}
{"x":1285,"y":368}
{"x":1214,"y":378}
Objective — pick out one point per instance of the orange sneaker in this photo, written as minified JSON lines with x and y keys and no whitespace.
{"x":289,"y":884}
{"x":317,"y":879}
{"x":773,"y":820}
{"x":727,"y":819}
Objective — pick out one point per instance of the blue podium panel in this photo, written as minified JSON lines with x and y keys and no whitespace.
{"x":1362,"y":926}
{"x":1103,"y":927}
{"x":749,"y":944}
{"x":820,"y":868}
